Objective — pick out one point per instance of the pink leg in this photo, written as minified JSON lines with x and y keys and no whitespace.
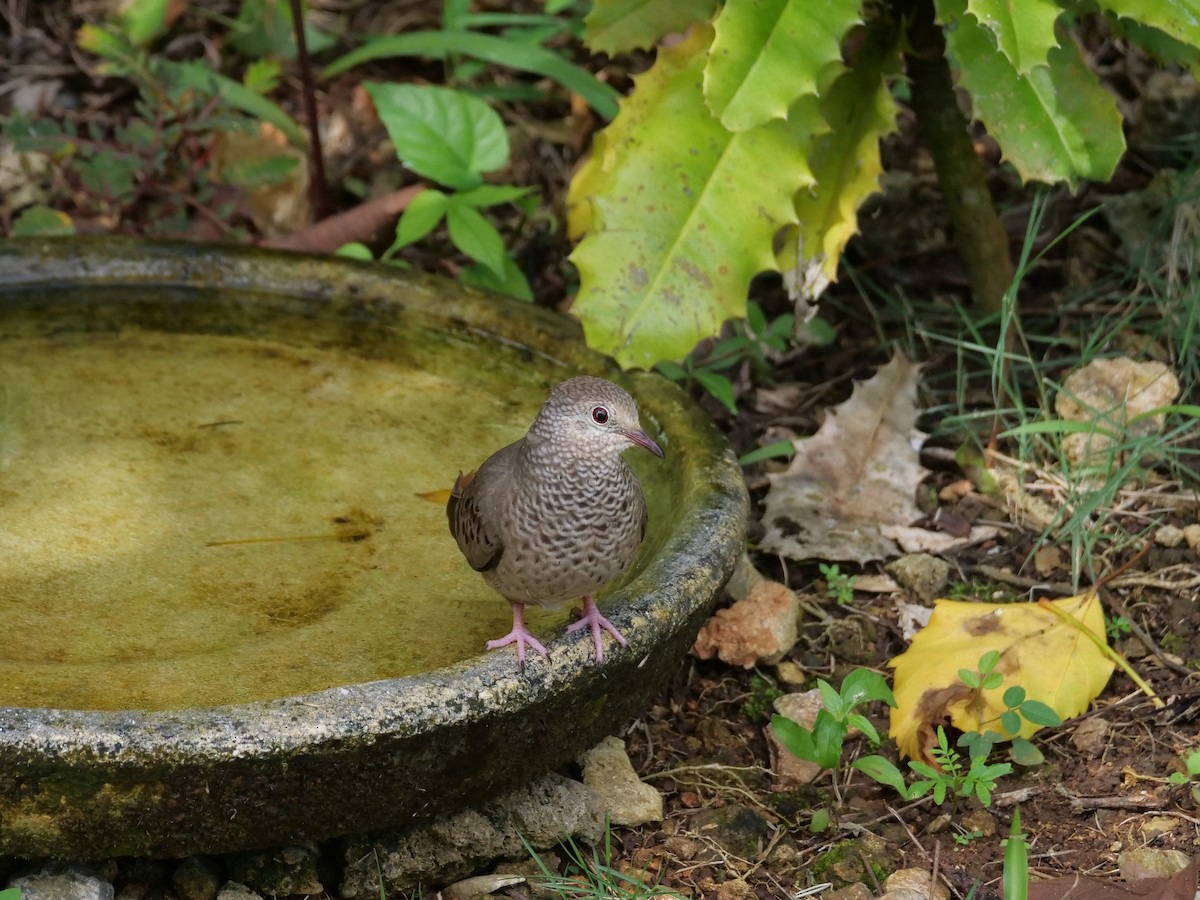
{"x":591,"y":618}
{"x":520,"y":636}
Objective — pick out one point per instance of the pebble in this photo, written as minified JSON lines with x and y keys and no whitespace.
{"x":628,"y":800}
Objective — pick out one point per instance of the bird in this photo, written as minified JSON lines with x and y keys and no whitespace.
{"x":558,"y":514}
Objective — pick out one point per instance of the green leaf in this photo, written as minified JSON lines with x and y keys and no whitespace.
{"x":441,"y":134}
{"x":1157,"y":43}
{"x":863,"y":684}
{"x":1023,"y":29}
{"x":1055,"y":123}
{"x":264,"y":28}
{"x":617,"y":26}
{"x":846,"y":166}
{"x":202,"y":78}
{"x":797,"y":739}
{"x":1023,"y":753}
{"x":882,"y":770}
{"x":512,"y":283}
{"x":262,"y":76}
{"x":831,"y":699}
{"x":828,"y":736}
{"x":719,"y":386}
{"x":144,"y":21}
{"x":671,"y":370}
{"x":490,"y":195}
{"x":475,"y":236}
{"x":970,"y":679}
{"x":1015,"y":877}
{"x":42,"y":221}
{"x":108,"y":174}
{"x":863,"y":724}
{"x":1040,"y":713}
{"x":682,"y":212}
{"x":266,"y":170}
{"x":820,"y":821}
{"x":355,"y":250}
{"x":419,"y":218}
{"x":1010,"y":721}
{"x":777,"y":450}
{"x":439,"y":44}
{"x":769,"y":53}
{"x":1178,"y":18}
{"x":1014,"y":696}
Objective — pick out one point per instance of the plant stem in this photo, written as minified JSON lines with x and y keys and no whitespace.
{"x":318,"y":192}
{"x":980,"y":236}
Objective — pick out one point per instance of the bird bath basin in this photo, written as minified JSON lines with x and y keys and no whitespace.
{"x":230,"y":618}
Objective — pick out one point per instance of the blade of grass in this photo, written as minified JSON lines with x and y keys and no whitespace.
{"x":489,"y":48}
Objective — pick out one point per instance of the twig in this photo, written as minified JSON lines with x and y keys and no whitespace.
{"x":912,"y":837}
{"x":1118,"y":606}
{"x":1084,"y":804}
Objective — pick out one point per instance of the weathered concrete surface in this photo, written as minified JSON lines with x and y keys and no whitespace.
{"x":91,"y":785}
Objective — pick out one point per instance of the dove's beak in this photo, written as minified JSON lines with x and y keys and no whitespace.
{"x":639,"y":437}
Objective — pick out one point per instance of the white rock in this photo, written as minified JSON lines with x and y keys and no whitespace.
{"x":608,"y":771}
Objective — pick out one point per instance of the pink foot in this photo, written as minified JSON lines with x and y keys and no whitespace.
{"x":591,"y":618}
{"x":520,"y":636}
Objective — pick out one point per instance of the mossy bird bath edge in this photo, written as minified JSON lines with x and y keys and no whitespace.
{"x":182,"y":773}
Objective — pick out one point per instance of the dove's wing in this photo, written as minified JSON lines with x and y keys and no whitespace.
{"x":474,"y":509}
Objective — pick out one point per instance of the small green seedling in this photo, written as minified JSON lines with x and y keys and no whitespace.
{"x":417,"y":119}
{"x":1017,"y":707}
{"x":1116,"y":627}
{"x":948,"y":778}
{"x":823,"y":743}
{"x":754,"y":338}
{"x":838,"y":584}
{"x":965,"y":838}
{"x":1191,"y":762}
{"x":1016,"y":861}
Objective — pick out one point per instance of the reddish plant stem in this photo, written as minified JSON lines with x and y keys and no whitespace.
{"x":318,"y":191}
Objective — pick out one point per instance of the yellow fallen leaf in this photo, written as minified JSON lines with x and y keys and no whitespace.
{"x":1055,"y":662}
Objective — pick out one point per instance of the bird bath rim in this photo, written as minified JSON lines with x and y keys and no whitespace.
{"x":372,"y":731}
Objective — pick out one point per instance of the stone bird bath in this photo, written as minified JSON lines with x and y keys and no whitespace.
{"x":230,"y":619}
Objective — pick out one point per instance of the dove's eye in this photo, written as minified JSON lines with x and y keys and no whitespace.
{"x":600,"y":415}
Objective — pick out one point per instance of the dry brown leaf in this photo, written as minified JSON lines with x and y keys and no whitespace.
{"x":849,"y":493}
{"x":859,"y":472}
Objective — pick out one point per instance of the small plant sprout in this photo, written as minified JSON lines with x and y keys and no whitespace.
{"x":752,"y":340}
{"x":1015,"y":877}
{"x":763,"y":693}
{"x":1191,"y":763}
{"x":965,"y":838}
{"x":1017,"y":707}
{"x":822,"y":744}
{"x":838,"y":584}
{"x":948,"y":777}
{"x":1117,"y":627}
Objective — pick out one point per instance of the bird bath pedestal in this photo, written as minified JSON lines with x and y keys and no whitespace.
{"x":233,"y":618}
